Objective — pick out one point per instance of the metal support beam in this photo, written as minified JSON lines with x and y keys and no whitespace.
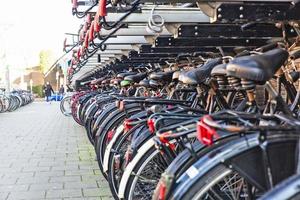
{"x":179,"y":49}
{"x":121,"y":40}
{"x":210,"y":42}
{"x":134,"y":31}
{"x":256,"y":11}
{"x":232,"y":30}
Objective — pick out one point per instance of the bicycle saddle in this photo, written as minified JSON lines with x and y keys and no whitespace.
{"x":97,"y":81}
{"x":115,"y":81}
{"x":106,"y":81}
{"x":124,"y":74}
{"x":219,"y":70}
{"x":162,"y":76}
{"x":176,"y":75}
{"x":154,"y":84}
{"x":259,"y":67}
{"x":198,"y":75}
{"x":136,"y":78}
{"x":144,"y":83}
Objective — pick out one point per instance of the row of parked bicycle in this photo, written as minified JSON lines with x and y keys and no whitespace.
{"x":225,"y":129}
{"x":14,"y":100}
{"x":211,"y":113}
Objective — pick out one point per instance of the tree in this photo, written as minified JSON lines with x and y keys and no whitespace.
{"x":46,"y":60}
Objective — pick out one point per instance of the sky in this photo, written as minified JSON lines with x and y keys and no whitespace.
{"x":28,"y":26}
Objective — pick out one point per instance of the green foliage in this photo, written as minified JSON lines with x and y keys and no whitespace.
{"x":46,"y":60}
{"x":38,"y":90}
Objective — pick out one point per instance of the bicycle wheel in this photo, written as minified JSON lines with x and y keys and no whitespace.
{"x":110,"y":124}
{"x":145,"y":175}
{"x":244,"y":161}
{"x":117,"y":159}
{"x":65,"y":106}
{"x":288,"y":190}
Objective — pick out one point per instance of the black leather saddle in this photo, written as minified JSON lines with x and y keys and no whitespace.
{"x":162,"y":76}
{"x":124,"y":74}
{"x":219,"y":70}
{"x":154,"y":84}
{"x":199,"y":75}
{"x":144,"y":83}
{"x":258,"y":68}
{"x":136,"y":78}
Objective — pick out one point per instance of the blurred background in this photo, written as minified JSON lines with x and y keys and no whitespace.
{"x":31,"y":42}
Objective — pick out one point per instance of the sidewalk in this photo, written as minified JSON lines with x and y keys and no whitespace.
{"x":44,"y":154}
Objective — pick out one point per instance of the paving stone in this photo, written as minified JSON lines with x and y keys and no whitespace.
{"x":79,"y":172}
{"x":8,"y":181}
{"x":80,"y":185}
{"x":104,"y":191}
{"x":50,"y":174}
{"x":88,"y":166}
{"x":64,"y":193}
{"x":97,"y":171}
{"x":91,"y":192}
{"x":36,"y":169}
{"x":65,"y":167}
{"x":27,"y":195}
{"x":18,"y":175}
{"x":6,"y":165}
{"x":92,"y":177}
{"x":51,"y":164}
{"x":46,"y":186}
{"x":14,"y":188}
{"x":11,"y":170}
{"x":28,"y":180}
{"x":65,"y":179}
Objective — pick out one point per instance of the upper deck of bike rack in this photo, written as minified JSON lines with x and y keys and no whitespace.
{"x":220,"y":22}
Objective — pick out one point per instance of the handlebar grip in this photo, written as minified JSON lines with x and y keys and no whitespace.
{"x":85,"y":27}
{"x":102,"y":8}
{"x":65,"y":44}
{"x":267,"y":47}
{"x":75,"y":4}
{"x":81,"y":36}
{"x":79,"y":53}
{"x":97,"y":26}
{"x":91,"y":32}
{"x":295,"y":54}
{"x":88,"y":18}
{"x":86,"y":40}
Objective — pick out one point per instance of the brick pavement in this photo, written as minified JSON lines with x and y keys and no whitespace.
{"x":45,"y":155}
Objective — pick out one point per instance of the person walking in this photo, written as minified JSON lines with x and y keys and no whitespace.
{"x":48,"y":91}
{"x":61,"y":90}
